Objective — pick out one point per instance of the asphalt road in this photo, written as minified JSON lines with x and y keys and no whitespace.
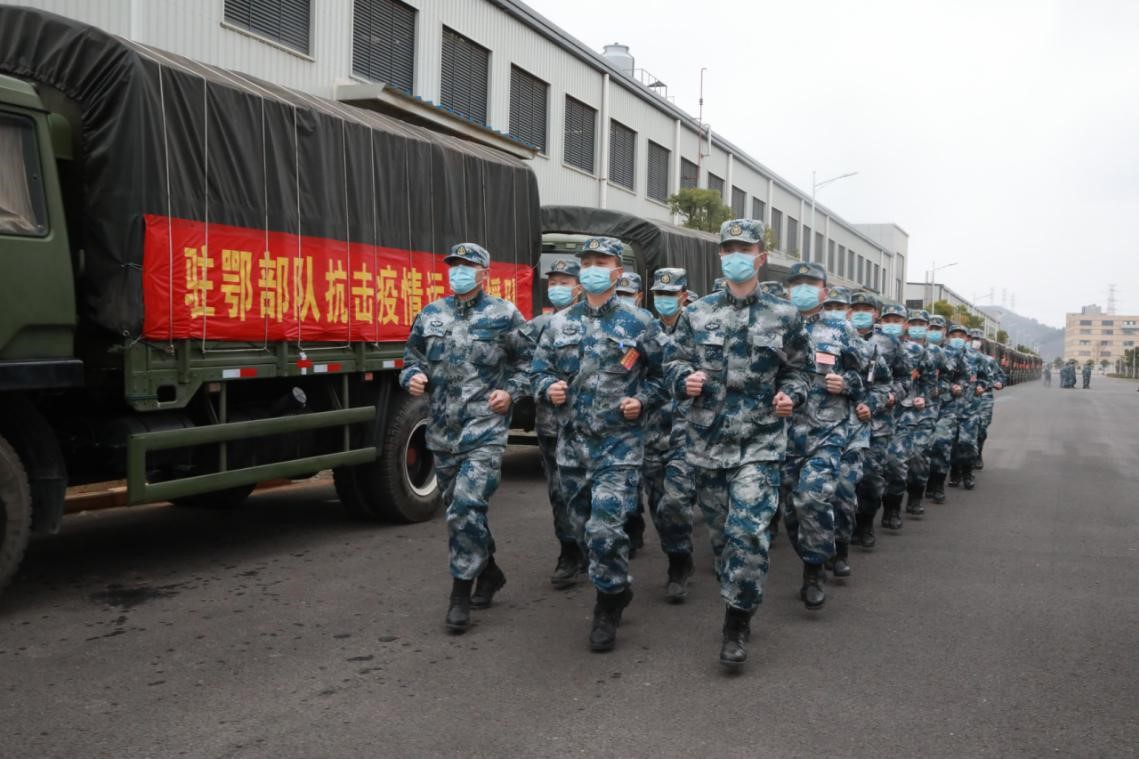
{"x":1004,"y":624}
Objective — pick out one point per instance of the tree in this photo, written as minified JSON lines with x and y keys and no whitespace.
{"x":1026,"y":349}
{"x":770,"y":241}
{"x":1002,"y":337}
{"x":943,"y":308}
{"x":701,"y":209}
{"x":1104,"y":363}
{"x":1058,"y":362}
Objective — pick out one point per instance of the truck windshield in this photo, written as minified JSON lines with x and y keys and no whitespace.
{"x":21,"y":185}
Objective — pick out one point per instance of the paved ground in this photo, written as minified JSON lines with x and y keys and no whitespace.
{"x":1003,"y":624}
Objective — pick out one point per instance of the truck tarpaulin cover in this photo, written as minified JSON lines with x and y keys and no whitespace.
{"x":656,"y":243}
{"x":221,"y":207}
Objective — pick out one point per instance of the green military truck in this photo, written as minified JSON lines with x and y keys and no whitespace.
{"x":206,"y":280}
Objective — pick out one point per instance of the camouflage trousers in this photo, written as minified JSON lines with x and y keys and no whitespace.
{"x":846,"y":494}
{"x":965,"y":445}
{"x":563,"y":525}
{"x":941,"y":445}
{"x":467,"y":481}
{"x":916,"y":440}
{"x":598,"y":500}
{"x":883,"y":461}
{"x":809,"y":486}
{"x":738,"y":505}
{"x":668,"y":488}
{"x":987,"y":401}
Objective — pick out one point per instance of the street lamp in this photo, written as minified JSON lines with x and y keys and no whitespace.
{"x":814,"y":188}
{"x":929,"y":282}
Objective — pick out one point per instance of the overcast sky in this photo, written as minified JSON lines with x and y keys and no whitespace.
{"x":1003,"y":136}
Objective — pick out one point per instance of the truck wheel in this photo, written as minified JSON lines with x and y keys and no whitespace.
{"x":15,"y":512}
{"x":219,"y":500}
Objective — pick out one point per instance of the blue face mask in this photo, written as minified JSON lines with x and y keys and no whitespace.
{"x":894,"y":330}
{"x":805,"y":297}
{"x":933,"y":336}
{"x":738,"y":267}
{"x":462,"y":279}
{"x":666,"y":305}
{"x":595,"y":279}
{"x":862,"y":319}
{"x":917,"y":333}
{"x":560,"y":295}
{"x":834,"y":316}
{"x":628,"y":300}
{"x":956,"y":342}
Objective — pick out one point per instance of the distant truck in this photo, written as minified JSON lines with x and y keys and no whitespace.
{"x":206,"y":280}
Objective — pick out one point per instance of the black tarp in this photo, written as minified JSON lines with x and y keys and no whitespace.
{"x":161,"y":134}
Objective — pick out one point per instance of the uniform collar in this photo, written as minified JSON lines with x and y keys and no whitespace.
{"x":605,"y":308}
{"x":468,"y":305}
{"x":747,"y":300}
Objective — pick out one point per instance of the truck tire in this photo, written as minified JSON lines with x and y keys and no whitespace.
{"x":15,"y":512}
{"x":219,"y":500}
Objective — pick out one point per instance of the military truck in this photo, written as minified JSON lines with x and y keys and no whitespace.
{"x":206,"y":280}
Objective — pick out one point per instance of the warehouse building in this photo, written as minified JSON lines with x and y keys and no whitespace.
{"x":925,"y":294}
{"x":598,"y":130}
{"x":1099,"y":337}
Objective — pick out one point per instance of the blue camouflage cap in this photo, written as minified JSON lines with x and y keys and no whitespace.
{"x":937,"y":321}
{"x":670,"y":280}
{"x":629,"y":282}
{"x":837,"y":295}
{"x":565,"y":266}
{"x":954,"y":327}
{"x":773,"y":287}
{"x":744,"y":230}
{"x":918,"y":315}
{"x":719,"y":284}
{"x":606,"y":246}
{"x":469,"y":252}
{"x":806,"y":269}
{"x":894,"y":309}
{"x":863,"y":298}
{"x":976,"y":333}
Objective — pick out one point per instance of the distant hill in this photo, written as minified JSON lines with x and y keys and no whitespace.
{"x":1021,"y":329}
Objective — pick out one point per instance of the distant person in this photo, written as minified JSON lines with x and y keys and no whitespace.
{"x":1087,"y":376}
{"x":1047,"y":376}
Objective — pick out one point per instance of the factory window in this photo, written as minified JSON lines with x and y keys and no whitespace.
{"x":757,"y":207}
{"x":739,"y":203}
{"x":830,"y":257}
{"x":806,"y":243}
{"x":819,"y":247}
{"x":1085,"y":331}
{"x":622,"y":154}
{"x":383,"y":42}
{"x":528,"y":96}
{"x":1085,"y":342}
{"x":1128,"y":343}
{"x":1129,"y":323}
{"x":581,"y":135}
{"x":1107,"y":323}
{"x":1107,"y":332}
{"x":842,"y":260}
{"x":877,"y":278}
{"x":792,"y":234}
{"x":466,"y":66}
{"x":850,"y":263}
{"x":689,"y":174}
{"x":861,"y":273}
{"x":1085,"y":322}
{"x":658,"y":172}
{"x":715,"y":183}
{"x":777,"y":228}
{"x":1085,"y":353}
{"x":285,"y":21}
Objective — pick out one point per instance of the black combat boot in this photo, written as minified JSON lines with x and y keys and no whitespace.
{"x":967,"y":478}
{"x":839,"y":566}
{"x":737,"y":630}
{"x":570,"y":566}
{"x":954,"y":475}
{"x":936,"y":487}
{"x":680,"y":568}
{"x":812,"y":590}
{"x":606,"y":617}
{"x":491,"y":580}
{"x":914,"y":505}
{"x":892,"y":511}
{"x":865,"y":523}
{"x":459,"y":612}
{"x":635,"y":529}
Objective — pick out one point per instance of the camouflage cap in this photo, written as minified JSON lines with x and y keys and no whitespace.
{"x":918,"y":315}
{"x":565,"y":266}
{"x":863,"y":298}
{"x":606,"y":246}
{"x":469,"y":252}
{"x":893,"y":309}
{"x":744,"y":230}
{"x":977,"y":334}
{"x":806,"y":269}
{"x":773,"y":287}
{"x":837,"y":295}
{"x":954,"y":327}
{"x":937,"y":321}
{"x":670,"y":280}
{"x":719,"y":284}
{"x":629,"y":283}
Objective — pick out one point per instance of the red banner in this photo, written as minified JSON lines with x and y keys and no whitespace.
{"x":234,"y":283}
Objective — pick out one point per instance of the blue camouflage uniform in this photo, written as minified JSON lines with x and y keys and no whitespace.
{"x":750,"y":348}
{"x":969,"y":424}
{"x":996,"y":375}
{"x":954,"y":371}
{"x":915,"y":427}
{"x":468,"y":349}
{"x":604,"y":354}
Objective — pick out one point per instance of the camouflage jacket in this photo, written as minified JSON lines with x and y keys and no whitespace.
{"x":824,"y":419}
{"x":604,"y":354}
{"x":468,"y":349}
{"x":981,"y":375}
{"x":665,"y":428}
{"x":924,"y":385}
{"x":890,"y":350}
{"x":956,"y":372}
{"x":877,"y":381}
{"x":750,"y":349}
{"x":545,"y":415}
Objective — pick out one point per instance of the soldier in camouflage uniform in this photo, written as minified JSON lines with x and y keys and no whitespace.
{"x":601,"y":360}
{"x":563,"y":290}
{"x":969,"y":424}
{"x":999,"y":379}
{"x":820,"y":427}
{"x":742,"y":357}
{"x":470,"y":353}
{"x":954,"y":375}
{"x":629,"y":290}
{"x":666,"y":481}
{"x":774,"y":287}
{"x":885,"y":457}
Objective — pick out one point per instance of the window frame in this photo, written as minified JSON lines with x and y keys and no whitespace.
{"x":617,"y":128}
{"x":660,"y":150}
{"x":525,"y":75}
{"x":372,"y":75}
{"x":33,"y":174}
{"x":248,"y":27}
{"x":453,"y":107}
{"x":567,"y":142}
